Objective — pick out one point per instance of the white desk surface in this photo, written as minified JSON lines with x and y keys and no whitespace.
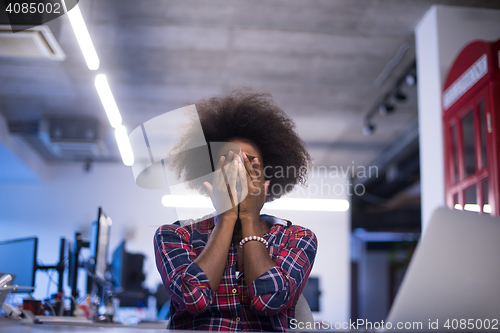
{"x":15,"y":326}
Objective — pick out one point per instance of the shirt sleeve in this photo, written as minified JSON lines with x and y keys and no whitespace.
{"x":184,"y":279}
{"x":281,"y":286}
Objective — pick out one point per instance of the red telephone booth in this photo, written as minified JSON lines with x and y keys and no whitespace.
{"x":471,"y":128}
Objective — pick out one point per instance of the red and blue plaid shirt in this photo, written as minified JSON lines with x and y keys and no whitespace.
{"x":267,"y":304}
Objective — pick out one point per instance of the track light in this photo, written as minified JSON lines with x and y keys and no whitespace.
{"x":386,"y":104}
{"x":411,"y":79}
{"x":386,"y":109}
{"x":368,"y":129}
{"x":399,"y":96}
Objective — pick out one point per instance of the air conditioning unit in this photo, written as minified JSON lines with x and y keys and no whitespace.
{"x":72,"y":138}
{"x":36,"y":42}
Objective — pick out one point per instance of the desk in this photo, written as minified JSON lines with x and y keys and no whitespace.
{"x":17,"y":326}
{"x":14,"y":326}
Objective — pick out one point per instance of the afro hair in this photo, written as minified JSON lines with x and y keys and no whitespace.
{"x":245,"y":113}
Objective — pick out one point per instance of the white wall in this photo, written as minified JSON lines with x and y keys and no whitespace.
{"x":68,"y":199}
{"x":440,"y":35}
{"x":333,"y":230}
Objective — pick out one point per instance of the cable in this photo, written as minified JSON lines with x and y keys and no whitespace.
{"x":48,"y":284}
{"x":61,"y":308}
{"x":391,"y":64}
{"x":50,"y":306}
{"x":71,"y":298}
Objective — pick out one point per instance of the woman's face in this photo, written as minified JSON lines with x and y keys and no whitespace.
{"x":250,"y":149}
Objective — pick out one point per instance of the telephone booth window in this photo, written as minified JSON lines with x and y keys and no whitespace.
{"x":469,"y":150}
{"x":482,"y":117}
{"x":455,"y":153}
{"x":471,"y":128}
{"x":471,"y":199}
{"x":486,"y":201}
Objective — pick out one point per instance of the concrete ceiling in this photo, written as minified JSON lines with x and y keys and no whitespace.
{"x":318,"y":59}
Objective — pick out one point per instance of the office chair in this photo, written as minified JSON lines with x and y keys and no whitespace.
{"x":303,"y":312}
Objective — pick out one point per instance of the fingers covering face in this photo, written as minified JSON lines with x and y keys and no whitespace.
{"x":237,"y":176}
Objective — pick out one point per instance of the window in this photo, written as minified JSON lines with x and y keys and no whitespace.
{"x":469,"y":150}
{"x":470,"y":196}
{"x":482,"y":117}
{"x":455,"y":152}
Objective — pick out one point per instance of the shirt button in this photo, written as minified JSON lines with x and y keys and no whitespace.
{"x":235,"y":290}
{"x":238,"y":319}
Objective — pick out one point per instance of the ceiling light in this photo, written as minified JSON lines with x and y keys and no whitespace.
{"x":411,"y":80}
{"x":386,"y":109}
{"x":82,"y":36}
{"x":368,"y":129}
{"x":108,"y":101}
{"x":124,"y":145}
{"x":399,"y":96}
{"x":186,"y":201}
{"x":198,"y":201}
{"x":318,"y":205}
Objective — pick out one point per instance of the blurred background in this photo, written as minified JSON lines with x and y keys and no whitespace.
{"x":353,"y":75}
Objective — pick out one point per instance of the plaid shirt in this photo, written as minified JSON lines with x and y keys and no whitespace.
{"x":268,"y":304}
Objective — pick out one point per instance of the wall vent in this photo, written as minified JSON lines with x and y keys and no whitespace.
{"x":72,"y":137}
{"x":36,"y":42}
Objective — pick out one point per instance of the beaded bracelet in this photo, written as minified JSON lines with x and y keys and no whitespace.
{"x":253,"y":238}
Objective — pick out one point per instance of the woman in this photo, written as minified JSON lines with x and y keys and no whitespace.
{"x":238,"y":269}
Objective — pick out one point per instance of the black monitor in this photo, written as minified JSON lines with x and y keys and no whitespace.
{"x":99,"y":245}
{"x":19,"y":257}
{"x":128,"y":277}
{"x":127,"y":269}
{"x":311,"y":293}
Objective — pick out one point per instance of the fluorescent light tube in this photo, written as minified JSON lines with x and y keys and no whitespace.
{"x":124,"y":145}
{"x":197,"y":201}
{"x":186,"y":201}
{"x":82,"y":36}
{"x":108,"y":101}
{"x":305,"y":204}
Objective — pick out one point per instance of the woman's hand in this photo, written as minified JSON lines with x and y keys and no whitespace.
{"x":252,"y":204}
{"x":223,"y":190}
{"x":213,"y":258}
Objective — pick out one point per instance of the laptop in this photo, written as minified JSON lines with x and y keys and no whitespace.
{"x":453,"y":280}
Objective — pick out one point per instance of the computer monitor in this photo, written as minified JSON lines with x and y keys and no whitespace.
{"x":127,"y":269}
{"x":311,"y":293}
{"x":19,"y":257}
{"x":99,"y":244}
{"x":117,"y":270}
